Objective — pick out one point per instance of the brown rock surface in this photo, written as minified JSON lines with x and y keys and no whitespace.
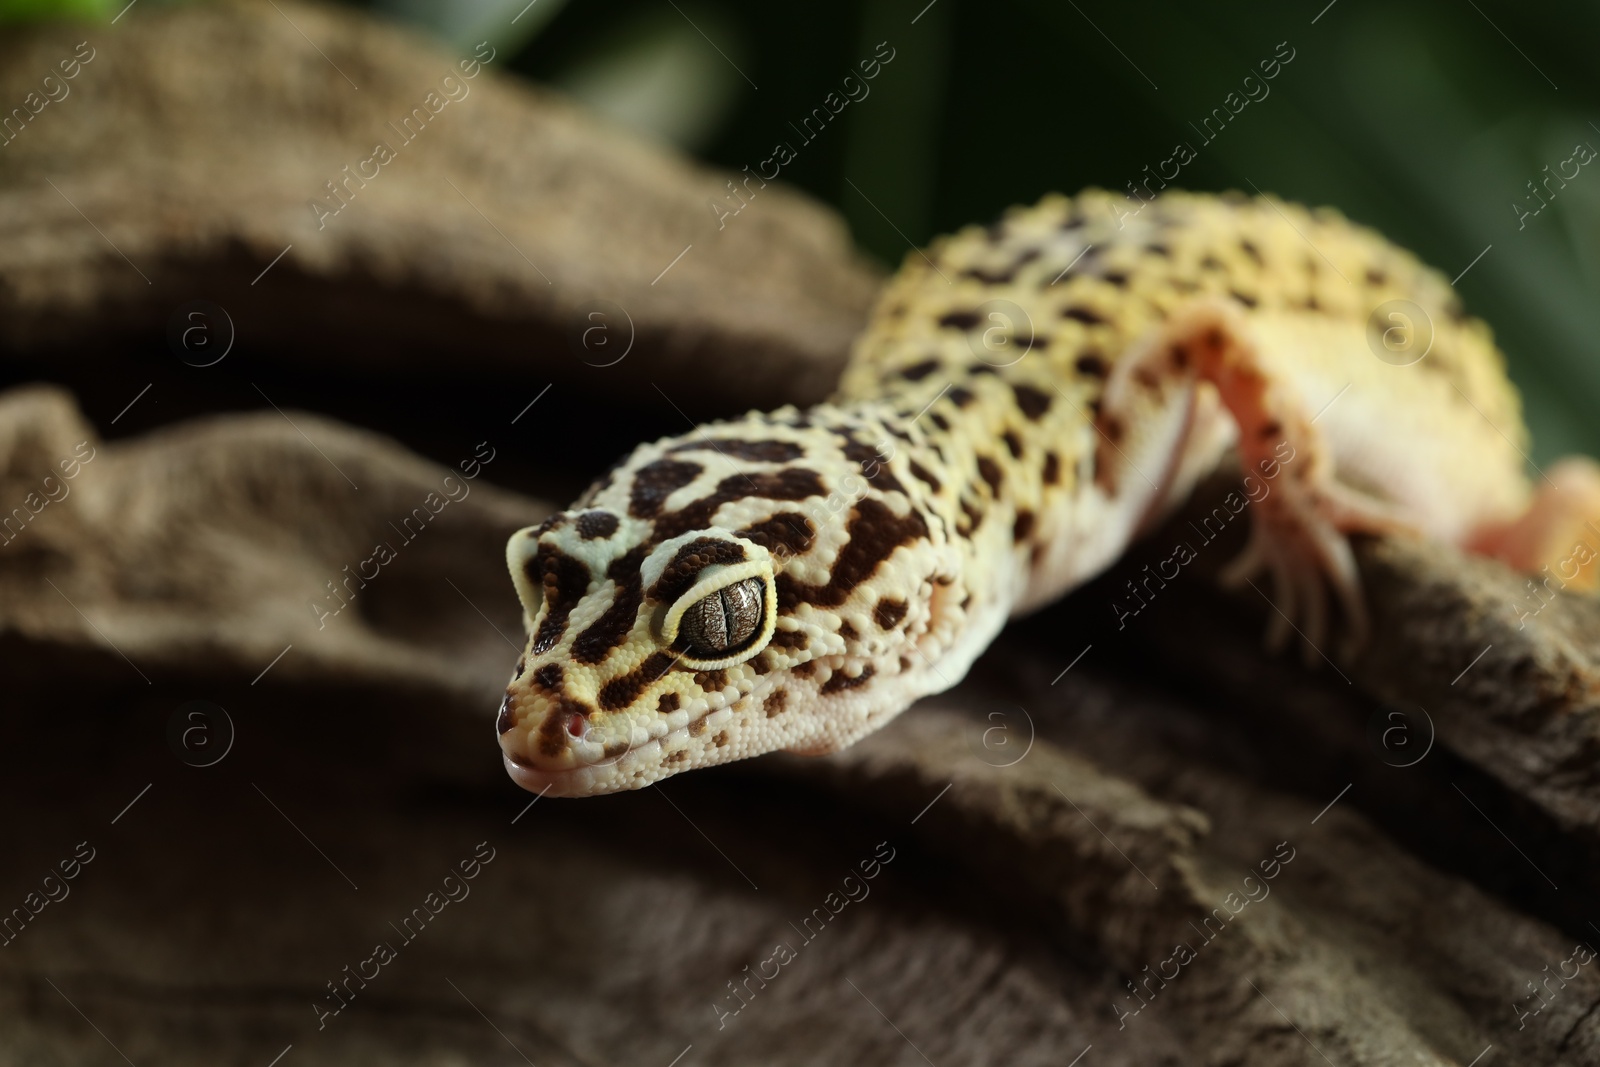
{"x":196,"y":139}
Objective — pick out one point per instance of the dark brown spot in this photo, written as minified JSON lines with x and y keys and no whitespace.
{"x":1147,"y":379}
{"x":918,"y":371}
{"x":1248,"y":247}
{"x":678,"y":756}
{"x":698,"y":726}
{"x":1211,"y":263}
{"x":874,"y":533}
{"x":1101,"y":470}
{"x":1013,"y":444}
{"x":789,"y":483}
{"x":991,"y":277}
{"x":656,"y":481}
{"x":596,"y":524}
{"x":939,"y":421}
{"x":683,"y":570}
{"x":873,"y":465}
{"x":1092,"y":365}
{"x":838,"y":680}
{"x":960,"y":320}
{"x":774,"y":704}
{"x":1052,"y":468}
{"x":888,"y":613}
{"x":1087,"y":316}
{"x":1032,"y":402}
{"x":804,"y":670}
{"x":721,"y":739}
{"x":923,"y":475}
{"x":559,"y":519}
{"x":848,"y":632}
{"x":549,"y":676}
{"x":786,"y":533}
{"x":989,"y":471}
{"x":552,"y":734}
{"x":667,"y":704}
{"x":782,"y":638}
{"x":1158,"y":250}
{"x":711,"y":681}
{"x":960,"y":397}
{"x":564,"y":581}
{"x":1243,"y":298}
{"x":1271,"y":428}
{"x":624,"y":690}
{"x":974,"y":519}
{"x":1113,"y":429}
{"x":1116,"y":277}
{"x":504,"y":722}
{"x":1023,"y":527}
{"x":1376,"y":276}
{"x":616,"y":622}
{"x":759,"y":451}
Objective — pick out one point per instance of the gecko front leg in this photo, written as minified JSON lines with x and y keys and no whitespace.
{"x":1299,"y":530}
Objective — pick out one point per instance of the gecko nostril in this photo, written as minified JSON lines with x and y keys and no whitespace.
{"x":575,"y":726}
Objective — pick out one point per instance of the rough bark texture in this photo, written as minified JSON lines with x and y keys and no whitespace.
{"x":198,"y":138}
{"x":269,"y":787}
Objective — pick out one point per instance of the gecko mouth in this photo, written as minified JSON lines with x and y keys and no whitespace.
{"x":632,"y":765}
{"x":580,"y":779}
{"x":537,"y":780}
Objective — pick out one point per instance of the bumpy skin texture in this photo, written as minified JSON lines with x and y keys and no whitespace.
{"x":1027,"y":397}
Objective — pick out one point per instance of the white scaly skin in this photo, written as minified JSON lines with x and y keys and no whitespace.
{"x":964,"y":473}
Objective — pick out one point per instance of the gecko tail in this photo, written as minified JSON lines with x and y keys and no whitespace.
{"x":1560,"y":531}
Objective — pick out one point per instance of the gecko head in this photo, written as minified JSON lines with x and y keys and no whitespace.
{"x":657,"y":646}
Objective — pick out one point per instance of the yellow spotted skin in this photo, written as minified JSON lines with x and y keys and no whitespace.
{"x":1026,"y":397}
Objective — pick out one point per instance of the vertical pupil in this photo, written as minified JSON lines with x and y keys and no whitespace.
{"x":729,"y":621}
{"x":714,"y":615}
{"x":728,"y":616}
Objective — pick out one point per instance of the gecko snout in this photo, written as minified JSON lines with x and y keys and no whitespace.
{"x":550,"y":740}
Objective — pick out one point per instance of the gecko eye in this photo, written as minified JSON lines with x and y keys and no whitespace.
{"x":728,"y":616}
{"x":716,"y":624}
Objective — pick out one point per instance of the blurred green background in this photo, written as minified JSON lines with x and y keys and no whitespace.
{"x":1426,"y":119}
